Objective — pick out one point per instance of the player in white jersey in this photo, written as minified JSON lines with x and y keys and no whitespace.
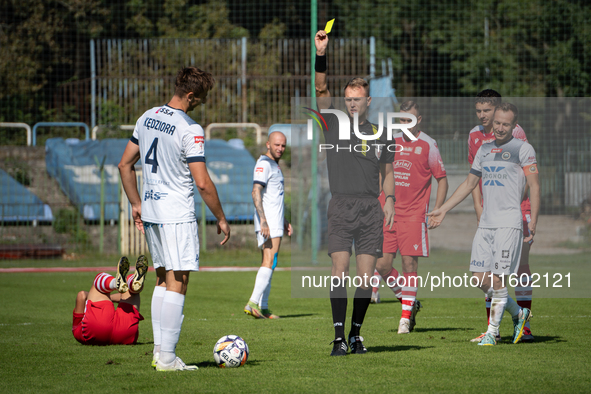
{"x":505,"y":166}
{"x":269,"y":222}
{"x":485,"y":104}
{"x":170,"y":146}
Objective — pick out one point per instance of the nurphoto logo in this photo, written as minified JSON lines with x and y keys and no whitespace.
{"x":345,"y":125}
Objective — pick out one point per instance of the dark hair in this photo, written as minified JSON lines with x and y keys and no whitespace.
{"x":407,"y":105}
{"x":508,"y":107}
{"x":358,"y":83}
{"x":192,"y":79}
{"x":488,"y":96}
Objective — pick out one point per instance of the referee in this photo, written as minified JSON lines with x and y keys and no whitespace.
{"x":354,"y":212}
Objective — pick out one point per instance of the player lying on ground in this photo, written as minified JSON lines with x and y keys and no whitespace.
{"x":485,"y":104}
{"x":269,"y":222}
{"x":96,"y":321}
{"x":505,"y":166}
{"x":416,"y":162}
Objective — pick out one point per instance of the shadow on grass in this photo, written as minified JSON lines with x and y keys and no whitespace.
{"x":441,"y":329}
{"x":211,"y":364}
{"x":295,"y":316}
{"x":380,"y":349}
{"x":540,"y":339}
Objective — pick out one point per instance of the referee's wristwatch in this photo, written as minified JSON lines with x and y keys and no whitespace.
{"x":392,"y":197}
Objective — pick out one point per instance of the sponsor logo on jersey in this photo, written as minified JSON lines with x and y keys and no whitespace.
{"x":506,"y":155}
{"x":164,"y":111}
{"x":259,"y":169}
{"x":476,"y":141}
{"x":416,"y":246}
{"x":491,"y":176}
{"x":200,"y":141}
{"x":152,"y":195}
{"x":477,"y":263}
{"x":403,"y":164}
{"x":496,"y":150}
{"x":418,"y":150}
{"x":505,"y":267}
{"x":505,"y":254}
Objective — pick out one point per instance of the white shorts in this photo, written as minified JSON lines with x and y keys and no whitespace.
{"x":497,"y":250}
{"x":174,"y":246}
{"x":275,"y":233}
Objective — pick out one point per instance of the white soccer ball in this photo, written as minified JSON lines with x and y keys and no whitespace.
{"x":230,"y":352}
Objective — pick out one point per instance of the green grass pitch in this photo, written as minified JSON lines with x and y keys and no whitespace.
{"x":39,"y":353}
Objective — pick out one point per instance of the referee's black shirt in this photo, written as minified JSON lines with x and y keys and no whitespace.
{"x":355,"y":173}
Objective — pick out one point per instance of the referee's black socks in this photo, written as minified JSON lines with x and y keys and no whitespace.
{"x":360,"y":304}
{"x":338,"y":303}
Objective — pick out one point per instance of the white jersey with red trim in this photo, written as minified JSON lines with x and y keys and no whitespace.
{"x":415,"y":163}
{"x":503,"y":169}
{"x":168,"y":140}
{"x":267,"y":173}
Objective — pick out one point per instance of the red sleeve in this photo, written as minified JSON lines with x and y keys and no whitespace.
{"x":519,"y":133}
{"x":471,"y":150}
{"x":435,"y":162}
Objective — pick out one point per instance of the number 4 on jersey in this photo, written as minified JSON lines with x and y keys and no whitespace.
{"x":154,"y":161}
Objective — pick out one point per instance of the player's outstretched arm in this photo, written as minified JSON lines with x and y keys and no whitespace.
{"x":209,"y":194}
{"x":436,"y":216}
{"x":257,"y":199}
{"x":323,"y":98}
{"x":533,"y":181}
{"x":129,"y":181}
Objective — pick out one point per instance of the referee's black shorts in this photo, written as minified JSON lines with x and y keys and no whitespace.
{"x":355,"y":219}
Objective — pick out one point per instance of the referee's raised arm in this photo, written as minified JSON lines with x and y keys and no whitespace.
{"x":323,"y":98}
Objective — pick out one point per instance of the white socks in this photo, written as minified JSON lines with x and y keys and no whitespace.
{"x":262,"y":281}
{"x":157,"y":298}
{"x":264,"y":304}
{"x":170,"y":325}
{"x":512,"y":307}
{"x":497,"y":308}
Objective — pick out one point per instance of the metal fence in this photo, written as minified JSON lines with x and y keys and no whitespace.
{"x":255,"y":79}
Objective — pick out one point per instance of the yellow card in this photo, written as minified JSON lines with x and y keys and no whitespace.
{"x":328,"y":26}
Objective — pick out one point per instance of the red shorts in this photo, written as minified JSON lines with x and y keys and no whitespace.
{"x":102,"y":324}
{"x":410,"y":238}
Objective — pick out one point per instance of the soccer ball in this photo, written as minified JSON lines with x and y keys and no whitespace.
{"x":230,"y":351}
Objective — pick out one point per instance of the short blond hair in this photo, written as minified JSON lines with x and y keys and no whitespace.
{"x":356,"y":83}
